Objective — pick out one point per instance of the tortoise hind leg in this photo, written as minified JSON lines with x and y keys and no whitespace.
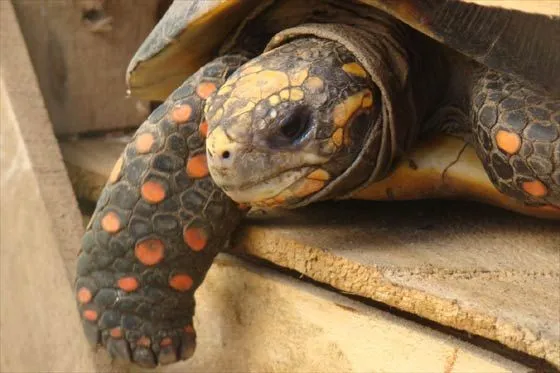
{"x":516,"y":132}
{"x":157,"y":226}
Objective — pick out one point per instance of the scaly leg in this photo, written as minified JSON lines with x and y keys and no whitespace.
{"x":517,"y":136}
{"x":157,"y":226}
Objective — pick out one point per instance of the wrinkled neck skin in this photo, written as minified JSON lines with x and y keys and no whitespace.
{"x":313,"y":117}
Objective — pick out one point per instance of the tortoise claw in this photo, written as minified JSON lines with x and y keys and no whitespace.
{"x":144,"y":357}
{"x":118,"y":349}
{"x":188,"y":344}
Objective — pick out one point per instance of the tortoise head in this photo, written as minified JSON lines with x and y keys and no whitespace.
{"x":288,"y":123}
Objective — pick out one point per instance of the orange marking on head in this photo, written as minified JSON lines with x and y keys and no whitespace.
{"x":152,"y":192}
{"x":203,"y":128}
{"x":116,"y":332}
{"x":197,"y":166}
{"x":167,"y":341}
{"x":84,"y":295}
{"x":319,"y":174}
{"x":535,"y":188}
{"x":181,"y":113}
{"x":144,"y":142}
{"x":111,"y":222}
{"x":116,"y":171}
{"x":149,"y":252}
{"x":308,"y":187}
{"x":128,"y":283}
{"x":144,"y":341}
{"x":205,"y":89}
{"x":189,"y":329}
{"x":508,"y":141}
{"x":182,"y":282}
{"x":196,"y":238}
{"x":90,"y":315}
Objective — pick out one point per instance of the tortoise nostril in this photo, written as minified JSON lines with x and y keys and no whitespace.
{"x":226,"y":154}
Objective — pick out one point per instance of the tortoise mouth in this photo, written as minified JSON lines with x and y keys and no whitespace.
{"x":273,"y":191}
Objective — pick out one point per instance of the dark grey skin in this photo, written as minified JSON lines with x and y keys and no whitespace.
{"x":162,"y":217}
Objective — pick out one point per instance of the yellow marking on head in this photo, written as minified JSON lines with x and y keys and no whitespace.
{"x":274,"y":100}
{"x":344,"y":111}
{"x":250,"y":70}
{"x":319,"y":174}
{"x":297,"y":78}
{"x":337,"y":137}
{"x":285,"y":95}
{"x":355,"y":69}
{"x":368,"y":100}
{"x":218,"y":115}
{"x":296,"y":94}
{"x":313,"y":84}
{"x":241,"y":110}
{"x":258,"y":86}
{"x":224,"y":90}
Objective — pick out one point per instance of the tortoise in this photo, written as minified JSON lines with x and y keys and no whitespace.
{"x":277,"y":105}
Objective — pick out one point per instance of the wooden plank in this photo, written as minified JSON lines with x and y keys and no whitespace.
{"x":40,"y":225}
{"x":81,"y":72}
{"x":472,"y":267}
{"x":546,"y":7}
{"x":250,"y":319}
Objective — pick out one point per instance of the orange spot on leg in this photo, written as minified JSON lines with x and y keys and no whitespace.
{"x":203,"y":128}
{"x":90,"y":315}
{"x":116,"y":332}
{"x":128,"y":283}
{"x":84,"y":295}
{"x":535,"y":188}
{"x":205,"y":89}
{"x":116,"y":171}
{"x":181,"y":113}
{"x":167,"y":341}
{"x":181,"y":282}
{"x":196,"y":238}
{"x":111,"y":222}
{"x":149,"y":252}
{"x":153,"y":192}
{"x":197,"y":166}
{"x":144,"y":143}
{"x":189,"y":329}
{"x":507,"y":141}
{"x":144,"y":341}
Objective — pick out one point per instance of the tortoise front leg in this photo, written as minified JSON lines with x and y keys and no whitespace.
{"x":158,"y":224}
{"x":517,"y":136}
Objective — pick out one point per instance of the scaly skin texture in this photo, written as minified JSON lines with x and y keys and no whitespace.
{"x":517,"y":136}
{"x":289,"y":122}
{"x":157,"y":226}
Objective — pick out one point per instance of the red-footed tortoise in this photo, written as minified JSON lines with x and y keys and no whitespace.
{"x":295,"y":102}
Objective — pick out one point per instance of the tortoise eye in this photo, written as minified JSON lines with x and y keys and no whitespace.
{"x":292,"y":128}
